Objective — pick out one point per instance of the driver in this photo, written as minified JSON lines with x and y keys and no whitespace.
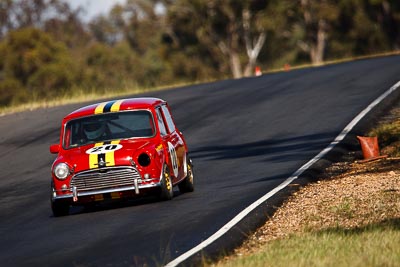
{"x":95,"y":131}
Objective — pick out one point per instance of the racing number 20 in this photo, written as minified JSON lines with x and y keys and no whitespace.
{"x":103,"y":149}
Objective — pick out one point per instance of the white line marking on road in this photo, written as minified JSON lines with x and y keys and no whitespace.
{"x":293,"y":177}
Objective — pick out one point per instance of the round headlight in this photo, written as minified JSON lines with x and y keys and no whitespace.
{"x":61,"y":171}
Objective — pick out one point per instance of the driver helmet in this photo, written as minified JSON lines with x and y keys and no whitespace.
{"x":94,"y":130}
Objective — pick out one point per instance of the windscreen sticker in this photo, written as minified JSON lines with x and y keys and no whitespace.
{"x":103,"y":149}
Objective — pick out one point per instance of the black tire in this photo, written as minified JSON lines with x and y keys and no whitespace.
{"x":167,"y":192}
{"x":187,"y":185}
{"x":60,"y":208}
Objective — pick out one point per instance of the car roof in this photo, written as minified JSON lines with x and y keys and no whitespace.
{"x":116,"y":106}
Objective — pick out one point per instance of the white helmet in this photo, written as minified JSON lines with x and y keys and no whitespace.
{"x":94,"y":130}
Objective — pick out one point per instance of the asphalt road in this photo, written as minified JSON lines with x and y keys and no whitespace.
{"x":245,"y":136}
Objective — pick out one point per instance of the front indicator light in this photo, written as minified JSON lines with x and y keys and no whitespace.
{"x":61,"y":171}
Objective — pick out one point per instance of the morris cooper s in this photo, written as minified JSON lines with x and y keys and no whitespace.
{"x":118,"y":149}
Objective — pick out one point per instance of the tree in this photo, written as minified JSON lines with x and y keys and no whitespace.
{"x":47,"y":15}
{"x":108,"y":67}
{"x":5,"y":18}
{"x":40,"y":64}
{"x":137,"y":24}
{"x":111,"y":28}
{"x":68,"y":28}
{"x":229,"y":30}
{"x":314,"y":20}
{"x":387,"y":14}
{"x":45,"y":47}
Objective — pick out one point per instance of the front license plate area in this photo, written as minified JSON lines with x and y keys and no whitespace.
{"x":107,"y":196}
{"x":98,"y":197}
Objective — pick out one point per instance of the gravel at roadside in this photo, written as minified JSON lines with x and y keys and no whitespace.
{"x":351,"y":195}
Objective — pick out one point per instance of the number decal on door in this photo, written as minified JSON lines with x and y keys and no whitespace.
{"x":174,"y":158}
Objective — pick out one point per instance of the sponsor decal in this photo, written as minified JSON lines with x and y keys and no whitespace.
{"x":159,"y":148}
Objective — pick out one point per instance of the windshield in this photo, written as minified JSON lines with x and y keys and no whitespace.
{"x":109,"y":126}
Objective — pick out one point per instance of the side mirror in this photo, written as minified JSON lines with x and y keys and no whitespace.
{"x":54,"y":149}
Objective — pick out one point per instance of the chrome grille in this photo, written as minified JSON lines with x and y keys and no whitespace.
{"x":105,"y":178}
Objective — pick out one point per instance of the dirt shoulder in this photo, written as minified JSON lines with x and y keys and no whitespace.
{"x":349,"y":195}
{"x":362,"y":195}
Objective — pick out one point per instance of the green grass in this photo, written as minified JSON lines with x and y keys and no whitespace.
{"x":387,"y":133}
{"x":373,"y":245}
{"x":79,"y":96}
{"x":389,"y":137}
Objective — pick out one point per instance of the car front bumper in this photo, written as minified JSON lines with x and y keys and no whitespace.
{"x":105,"y":181}
{"x":76,"y":194}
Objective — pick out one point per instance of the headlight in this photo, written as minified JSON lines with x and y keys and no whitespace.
{"x":61,"y":171}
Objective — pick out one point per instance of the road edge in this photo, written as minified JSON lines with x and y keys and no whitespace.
{"x":296,"y":175}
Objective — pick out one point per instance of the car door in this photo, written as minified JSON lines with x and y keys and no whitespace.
{"x":174,"y":143}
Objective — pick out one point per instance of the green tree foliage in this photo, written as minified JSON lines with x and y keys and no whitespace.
{"x":137,"y":25}
{"x":232,"y":32}
{"x":11,"y":90}
{"x":33,"y":60}
{"x":107,"y":67}
{"x":109,"y":30}
{"x":46,"y":49}
{"x":5,"y":18}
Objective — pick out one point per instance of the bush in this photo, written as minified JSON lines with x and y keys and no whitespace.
{"x":34,"y":63}
{"x":387,"y":133}
{"x":51,"y":80}
{"x":11,"y":91}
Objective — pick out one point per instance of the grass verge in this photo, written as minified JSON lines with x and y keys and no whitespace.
{"x":79,"y":96}
{"x":371,"y":245}
{"x":350,"y":217}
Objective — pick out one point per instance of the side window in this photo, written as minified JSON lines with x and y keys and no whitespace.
{"x":168,"y":118}
{"x":161,"y":126}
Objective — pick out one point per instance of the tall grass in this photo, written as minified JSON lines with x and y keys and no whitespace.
{"x":78,"y":95}
{"x":373,"y":245}
{"x":389,"y":136}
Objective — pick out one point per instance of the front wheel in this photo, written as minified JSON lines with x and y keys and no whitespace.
{"x":166,"y":185}
{"x":59,"y":208}
{"x":187,"y":185}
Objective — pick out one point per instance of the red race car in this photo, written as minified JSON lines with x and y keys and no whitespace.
{"x":118,"y":149}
